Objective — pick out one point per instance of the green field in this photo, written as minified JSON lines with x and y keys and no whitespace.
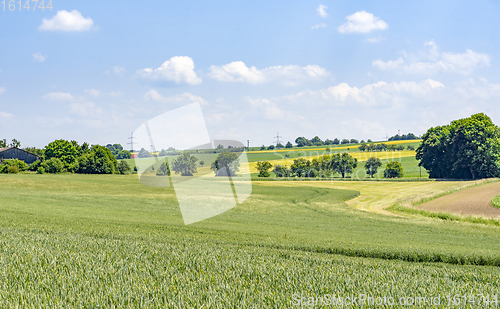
{"x":108,"y":241}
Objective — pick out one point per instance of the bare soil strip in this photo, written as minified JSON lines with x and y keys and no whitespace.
{"x":475,"y":201}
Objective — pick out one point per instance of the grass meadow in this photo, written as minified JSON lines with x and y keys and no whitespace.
{"x":107,"y":241}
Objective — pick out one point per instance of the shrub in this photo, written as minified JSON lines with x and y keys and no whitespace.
{"x":12,"y":170}
{"x":20,"y":165}
{"x":393,"y":170}
{"x":40,"y":170}
{"x":496,"y":201}
{"x":99,"y":160}
{"x":264,"y":167}
{"x":53,"y":165}
{"x":163,"y":170}
{"x":123,"y":167}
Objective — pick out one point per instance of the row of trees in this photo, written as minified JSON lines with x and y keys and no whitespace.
{"x":68,"y":156}
{"x":403,"y":137}
{"x":226,"y":164}
{"x":328,"y":166}
{"x":316,"y":141}
{"x":384,"y":147}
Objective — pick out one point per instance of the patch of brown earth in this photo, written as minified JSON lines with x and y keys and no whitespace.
{"x":475,"y":201}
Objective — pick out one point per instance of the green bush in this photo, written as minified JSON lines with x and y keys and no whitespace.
{"x":496,"y":201}
{"x":163,"y":170}
{"x":99,"y":160}
{"x":123,"y":167}
{"x":12,"y":170}
{"x":40,"y":170}
{"x":53,"y":166}
{"x":34,"y":166}
{"x":20,"y":165}
{"x":394,"y":170}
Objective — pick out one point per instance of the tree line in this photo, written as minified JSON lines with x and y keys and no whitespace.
{"x":69,"y":156}
{"x":327,"y":166}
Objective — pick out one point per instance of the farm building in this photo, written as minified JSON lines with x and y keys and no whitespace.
{"x":16,"y":153}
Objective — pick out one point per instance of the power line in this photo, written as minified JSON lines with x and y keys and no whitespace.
{"x":131,"y":143}
{"x":277,"y":137}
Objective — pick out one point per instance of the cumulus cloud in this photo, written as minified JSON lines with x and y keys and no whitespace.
{"x":289,"y":75}
{"x":322,"y":11}
{"x":322,"y":25}
{"x":93,"y":92}
{"x":362,"y":22}
{"x":85,"y":109}
{"x":58,"y":96}
{"x":376,"y":94}
{"x":67,"y":21}
{"x":432,"y":61}
{"x":39,"y":57}
{"x":117,"y":69}
{"x":179,"y":69}
{"x":184,"y":98}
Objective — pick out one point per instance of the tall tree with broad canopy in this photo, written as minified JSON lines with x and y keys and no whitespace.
{"x":226,"y":164}
{"x":467,"y":148}
{"x":371,"y":165}
{"x":344,"y":163}
{"x":62,"y":150}
{"x":185,"y":164}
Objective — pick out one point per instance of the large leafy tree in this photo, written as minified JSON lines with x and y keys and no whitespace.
{"x":99,"y":160}
{"x":467,"y":148}
{"x":226,"y":164}
{"x":371,"y":165}
{"x":344,"y":163}
{"x":62,"y":150}
{"x":185,"y":164}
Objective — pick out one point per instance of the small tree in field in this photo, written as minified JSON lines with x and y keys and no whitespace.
{"x":226,"y":164}
{"x":202,"y":163}
{"x":263,"y":167}
{"x":185,"y":164}
{"x":163,"y":170}
{"x":371,"y":166}
{"x":394,"y":170}
{"x":123,"y":167}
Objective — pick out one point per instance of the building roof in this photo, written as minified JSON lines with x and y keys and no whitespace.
{"x":7,"y":148}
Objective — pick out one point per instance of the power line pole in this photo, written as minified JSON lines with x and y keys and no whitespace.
{"x":248,"y":144}
{"x":131,"y":143}
{"x":277,"y":137}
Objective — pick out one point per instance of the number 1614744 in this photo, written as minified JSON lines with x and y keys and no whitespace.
{"x":25,"y":5}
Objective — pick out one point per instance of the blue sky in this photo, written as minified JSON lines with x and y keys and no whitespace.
{"x":96,"y":70}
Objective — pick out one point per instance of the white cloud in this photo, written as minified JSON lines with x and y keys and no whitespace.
{"x":322,"y":11}
{"x":2,"y":90}
{"x":376,"y":94}
{"x":363,"y":22}
{"x":58,"y":96}
{"x":117,"y":69}
{"x":289,"y":75}
{"x":85,"y":109}
{"x":39,"y":57}
{"x":184,"y":98}
{"x":6,"y":115}
{"x":115,"y":93}
{"x":67,"y":21}
{"x":322,"y":25}
{"x":271,"y":110}
{"x":93,"y":92}
{"x":432,"y":61}
{"x":179,"y":69}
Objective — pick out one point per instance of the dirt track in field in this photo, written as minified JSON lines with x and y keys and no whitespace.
{"x":475,"y":201}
